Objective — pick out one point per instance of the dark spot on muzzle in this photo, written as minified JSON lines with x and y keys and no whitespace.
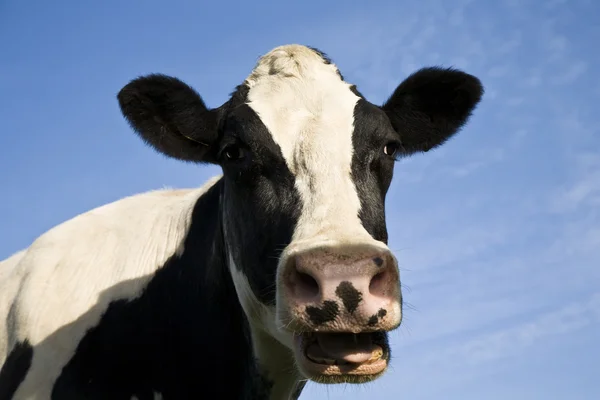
{"x":349,"y":295}
{"x":375,"y":317}
{"x":378,"y":261}
{"x":328,"y":312}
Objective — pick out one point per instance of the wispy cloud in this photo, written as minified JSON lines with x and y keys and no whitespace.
{"x":583,"y":192}
{"x":485,"y":158}
{"x":571,"y":72}
{"x":583,"y":189}
{"x":510,"y":341}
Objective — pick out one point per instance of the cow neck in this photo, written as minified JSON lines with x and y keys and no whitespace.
{"x":278,"y":377}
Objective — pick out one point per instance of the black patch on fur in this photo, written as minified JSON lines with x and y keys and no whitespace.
{"x":372,"y":170}
{"x":15,"y":368}
{"x":327,"y":313}
{"x":349,"y":295}
{"x":261,"y":199}
{"x":261,"y":389}
{"x":378,"y":261}
{"x":185,"y":336}
{"x":381,"y":313}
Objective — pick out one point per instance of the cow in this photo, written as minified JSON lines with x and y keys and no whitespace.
{"x":273,"y":273}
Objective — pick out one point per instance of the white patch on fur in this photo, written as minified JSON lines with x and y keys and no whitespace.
{"x":69,"y":275}
{"x":271,"y":345}
{"x":260,"y":316}
{"x":8,"y":265}
{"x":309,"y":112}
{"x":10,"y":277}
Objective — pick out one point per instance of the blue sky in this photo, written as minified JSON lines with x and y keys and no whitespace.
{"x":497,"y":232}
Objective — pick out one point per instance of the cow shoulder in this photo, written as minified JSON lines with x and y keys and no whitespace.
{"x":71,"y":274}
{"x":69,"y":266}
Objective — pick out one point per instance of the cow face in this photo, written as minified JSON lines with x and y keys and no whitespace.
{"x":307,"y":162}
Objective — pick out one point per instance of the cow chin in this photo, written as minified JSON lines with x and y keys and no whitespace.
{"x":368,"y":364}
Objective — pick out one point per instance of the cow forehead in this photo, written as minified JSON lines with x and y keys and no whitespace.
{"x":305,"y":105}
{"x":309,"y":111}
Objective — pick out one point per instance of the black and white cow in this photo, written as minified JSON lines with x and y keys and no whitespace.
{"x":271,"y":274}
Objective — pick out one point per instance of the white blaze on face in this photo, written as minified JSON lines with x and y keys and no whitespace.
{"x":309,"y":112}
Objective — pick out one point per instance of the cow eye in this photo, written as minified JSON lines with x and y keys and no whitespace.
{"x":391,"y":149}
{"x":233,"y":152}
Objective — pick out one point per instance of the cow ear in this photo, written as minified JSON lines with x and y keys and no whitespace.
{"x":171,"y":117}
{"x":431,"y":105}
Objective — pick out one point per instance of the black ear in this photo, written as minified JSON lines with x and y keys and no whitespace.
{"x":170,"y":116}
{"x":431,"y":105}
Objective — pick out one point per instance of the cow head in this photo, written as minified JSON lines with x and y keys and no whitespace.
{"x":307,"y":162}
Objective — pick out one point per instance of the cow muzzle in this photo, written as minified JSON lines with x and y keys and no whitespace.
{"x":339,"y":303}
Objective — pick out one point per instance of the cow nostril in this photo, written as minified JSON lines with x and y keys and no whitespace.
{"x":305,"y":286}
{"x":377,"y":286}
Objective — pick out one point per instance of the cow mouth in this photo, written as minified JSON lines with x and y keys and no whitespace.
{"x":342,"y":357}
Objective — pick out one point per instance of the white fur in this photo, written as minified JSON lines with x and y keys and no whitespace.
{"x":105,"y":254}
{"x":8,"y":265}
{"x":10,"y":277}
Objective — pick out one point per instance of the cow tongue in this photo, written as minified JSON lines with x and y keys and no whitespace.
{"x":347,"y":347}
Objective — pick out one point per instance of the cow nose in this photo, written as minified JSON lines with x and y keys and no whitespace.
{"x":353,"y":291}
